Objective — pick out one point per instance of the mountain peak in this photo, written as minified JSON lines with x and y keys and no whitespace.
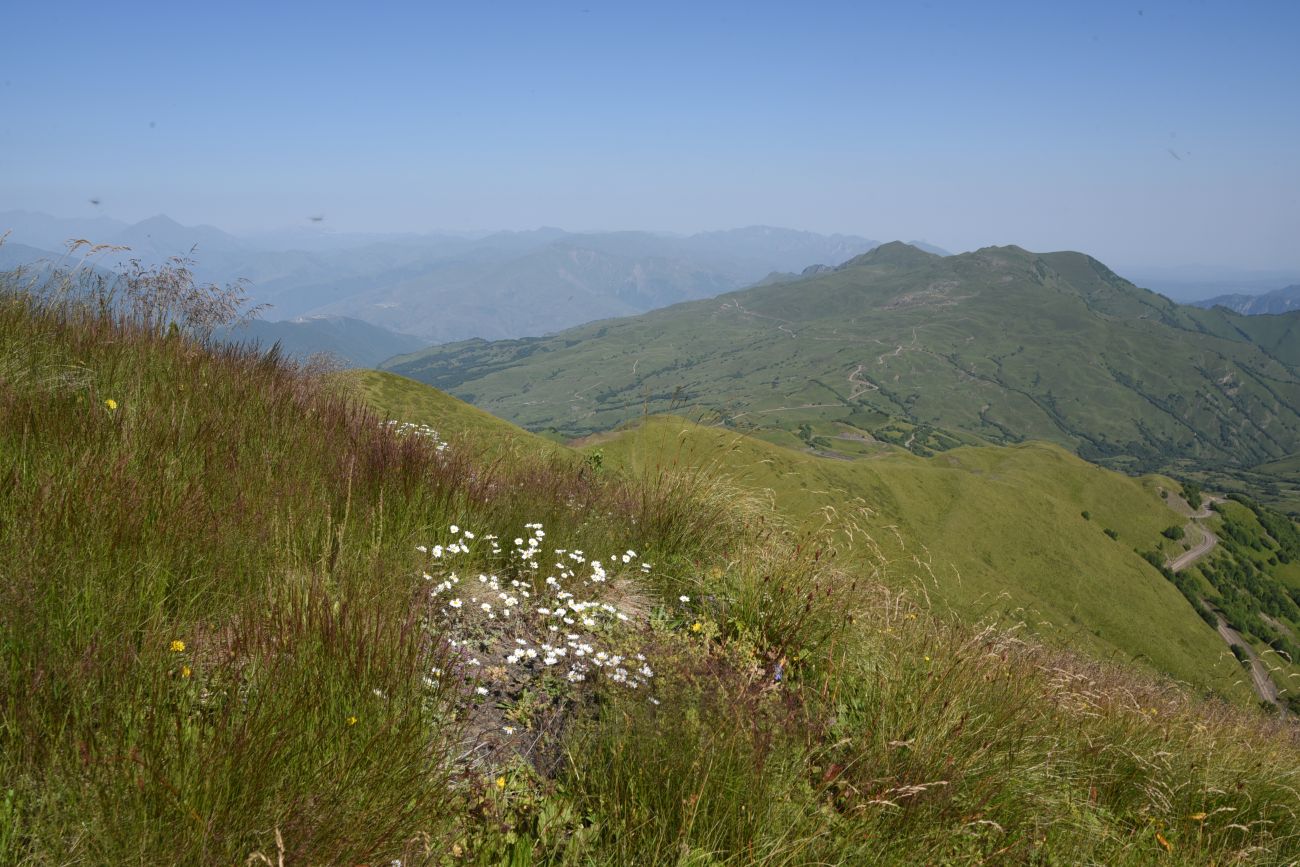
{"x":895,"y":253}
{"x":159,"y":220}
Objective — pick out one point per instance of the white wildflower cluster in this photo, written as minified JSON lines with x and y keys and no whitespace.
{"x":533,"y":625}
{"x":406,"y":428}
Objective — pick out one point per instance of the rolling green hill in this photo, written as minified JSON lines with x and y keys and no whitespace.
{"x":1000,"y":345}
{"x":1028,"y":536}
{"x":407,"y":401}
{"x":1015,"y":535}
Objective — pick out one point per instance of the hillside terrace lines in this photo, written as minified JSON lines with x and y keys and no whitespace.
{"x":783,"y":324}
{"x":782,"y":409}
{"x":899,"y":349}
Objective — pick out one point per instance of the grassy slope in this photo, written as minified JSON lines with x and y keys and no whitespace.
{"x":1001,"y":344}
{"x":405,"y":400}
{"x":1025,"y":555}
{"x":218,"y":646}
{"x":1002,"y":531}
{"x":215,"y":632}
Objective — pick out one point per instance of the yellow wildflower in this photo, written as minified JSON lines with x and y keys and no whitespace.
{"x":111,"y":404}
{"x":352,"y":720}
{"x":501,"y":782}
{"x":185,"y":671}
{"x":178,"y":646}
{"x":696,"y":626}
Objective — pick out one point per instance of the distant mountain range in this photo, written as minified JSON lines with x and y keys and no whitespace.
{"x":1277,"y":301}
{"x":452,"y":287}
{"x":351,"y":342}
{"x":930,"y":352}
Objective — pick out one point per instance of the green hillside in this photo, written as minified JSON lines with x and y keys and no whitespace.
{"x":1027,"y":536}
{"x":1015,"y":557}
{"x":245,"y":621}
{"x":407,"y":401}
{"x":1252,"y":581}
{"x":1000,"y":345}
{"x":1002,"y":534}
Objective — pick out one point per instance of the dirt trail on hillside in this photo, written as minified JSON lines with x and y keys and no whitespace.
{"x":1196,"y":552}
{"x":1208,"y":539}
{"x":1259,"y":677}
{"x":860,"y":386}
{"x":1260,"y":680}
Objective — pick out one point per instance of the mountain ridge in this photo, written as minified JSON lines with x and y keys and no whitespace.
{"x":495,"y":285}
{"x":1000,"y":343}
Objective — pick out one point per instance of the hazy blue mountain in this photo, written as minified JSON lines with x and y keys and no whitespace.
{"x":162,"y":236}
{"x":451,"y":287}
{"x":1277,"y":301}
{"x":786,"y":249}
{"x":511,"y":284}
{"x":351,"y":341}
{"x":320,"y":240}
{"x":1188,"y":284}
{"x":13,"y":255}
{"x":53,"y":233}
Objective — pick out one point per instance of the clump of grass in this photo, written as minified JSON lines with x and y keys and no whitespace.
{"x":716,"y":773}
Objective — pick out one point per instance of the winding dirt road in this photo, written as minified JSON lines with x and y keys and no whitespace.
{"x":1208,"y":539}
{"x":1196,"y":552}
{"x":1263,"y":684}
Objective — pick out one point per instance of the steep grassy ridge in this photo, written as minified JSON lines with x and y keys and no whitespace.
{"x":406,"y":400}
{"x":1001,"y":344}
{"x":1002,"y":532}
{"x":1027,"y":536}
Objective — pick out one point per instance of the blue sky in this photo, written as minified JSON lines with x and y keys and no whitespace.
{"x":1145,"y":132}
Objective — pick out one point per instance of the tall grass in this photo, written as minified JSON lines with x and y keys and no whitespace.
{"x":160,"y":494}
{"x":207,"y":580}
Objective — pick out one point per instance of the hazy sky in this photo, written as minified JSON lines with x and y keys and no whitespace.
{"x":1144,"y":132}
